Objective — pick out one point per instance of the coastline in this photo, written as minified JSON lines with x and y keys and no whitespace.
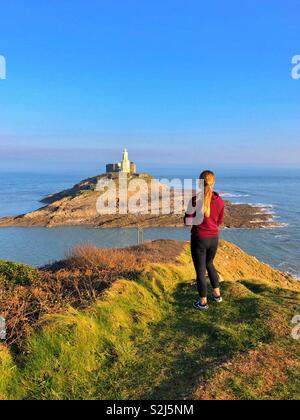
{"x":239,"y":216}
{"x":51,"y":236}
{"x":77,"y":206}
{"x":38,"y":246}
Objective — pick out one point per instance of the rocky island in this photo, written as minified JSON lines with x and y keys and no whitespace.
{"x":78,"y":206}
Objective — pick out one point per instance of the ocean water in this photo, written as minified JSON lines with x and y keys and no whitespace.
{"x":277,"y":191}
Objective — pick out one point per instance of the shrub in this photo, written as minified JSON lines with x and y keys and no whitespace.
{"x":120,"y":261}
{"x":17,"y":274}
{"x":27,"y":295}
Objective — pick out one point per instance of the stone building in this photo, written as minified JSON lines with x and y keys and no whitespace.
{"x":125,"y":166}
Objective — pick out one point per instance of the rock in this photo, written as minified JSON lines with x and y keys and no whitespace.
{"x":77,"y":206}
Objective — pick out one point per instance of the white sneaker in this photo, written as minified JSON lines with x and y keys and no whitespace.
{"x":218,"y":299}
{"x":199,"y":306}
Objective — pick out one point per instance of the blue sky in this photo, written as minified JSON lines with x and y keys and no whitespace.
{"x":179,"y":82}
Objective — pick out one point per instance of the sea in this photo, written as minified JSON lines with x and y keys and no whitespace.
{"x":275,"y":191}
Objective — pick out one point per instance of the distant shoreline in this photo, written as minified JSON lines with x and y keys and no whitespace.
{"x":76,"y":206}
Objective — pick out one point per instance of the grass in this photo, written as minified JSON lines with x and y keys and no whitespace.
{"x":28,"y":295}
{"x":143,"y":340}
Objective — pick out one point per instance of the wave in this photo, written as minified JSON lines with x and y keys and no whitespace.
{"x":262,"y":206}
{"x":294,"y":274}
{"x":275,"y":226}
{"x":283,"y":225}
{"x":267,"y":208}
{"x":283,"y":266}
{"x":232,"y":195}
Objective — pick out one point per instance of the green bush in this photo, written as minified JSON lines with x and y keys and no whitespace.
{"x":16,"y":273}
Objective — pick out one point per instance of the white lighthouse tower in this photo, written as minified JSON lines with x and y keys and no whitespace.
{"x":125,"y":164}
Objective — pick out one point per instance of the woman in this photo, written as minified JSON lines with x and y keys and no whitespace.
{"x":205,"y":240}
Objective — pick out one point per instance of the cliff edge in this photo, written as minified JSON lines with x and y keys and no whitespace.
{"x":119,"y":324}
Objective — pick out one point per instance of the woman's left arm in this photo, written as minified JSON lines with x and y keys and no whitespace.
{"x":221,"y":215}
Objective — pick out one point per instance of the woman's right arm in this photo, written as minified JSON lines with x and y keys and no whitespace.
{"x":190,"y":213}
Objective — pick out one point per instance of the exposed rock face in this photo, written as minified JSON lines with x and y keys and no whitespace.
{"x":78,"y":206}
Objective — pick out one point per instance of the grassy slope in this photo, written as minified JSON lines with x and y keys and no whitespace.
{"x":144,"y":340}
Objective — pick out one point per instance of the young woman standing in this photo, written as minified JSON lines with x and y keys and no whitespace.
{"x":205,"y":241}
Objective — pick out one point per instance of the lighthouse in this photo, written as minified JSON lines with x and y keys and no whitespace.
{"x":125,"y":166}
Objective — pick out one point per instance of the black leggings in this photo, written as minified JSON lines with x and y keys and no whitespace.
{"x":203,"y":253}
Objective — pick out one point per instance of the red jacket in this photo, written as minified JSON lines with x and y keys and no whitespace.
{"x":210,"y":226}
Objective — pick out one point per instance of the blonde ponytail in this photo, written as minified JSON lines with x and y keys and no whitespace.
{"x":209,"y":181}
